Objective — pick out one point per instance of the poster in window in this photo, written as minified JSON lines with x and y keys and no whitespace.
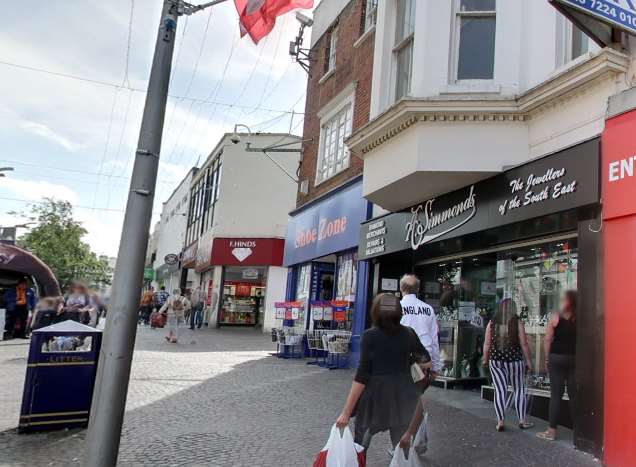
{"x":318,"y":310}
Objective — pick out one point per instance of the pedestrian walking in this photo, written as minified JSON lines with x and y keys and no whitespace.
{"x":383,"y":395}
{"x":46,"y":312}
{"x":560,"y":348}
{"x":19,"y":301}
{"x":507,"y":354}
{"x":175,"y":308}
{"x":160,"y":297}
{"x":145,"y":305}
{"x":196,"y":315}
{"x":421,"y":317}
{"x":78,"y":303}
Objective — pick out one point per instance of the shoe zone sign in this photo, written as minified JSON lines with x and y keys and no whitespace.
{"x":327,"y":226}
{"x":619,"y":14}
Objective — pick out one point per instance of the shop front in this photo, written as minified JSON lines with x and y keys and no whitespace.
{"x":251,"y":278}
{"x":188,"y":263}
{"x":325,"y":275}
{"x":529,"y":234}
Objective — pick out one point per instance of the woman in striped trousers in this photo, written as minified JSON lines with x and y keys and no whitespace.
{"x":507,"y":354}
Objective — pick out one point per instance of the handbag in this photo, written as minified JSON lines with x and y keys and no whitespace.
{"x":420,"y":376}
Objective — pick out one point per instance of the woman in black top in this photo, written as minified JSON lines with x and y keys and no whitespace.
{"x":560,"y":350}
{"x":383,"y":393}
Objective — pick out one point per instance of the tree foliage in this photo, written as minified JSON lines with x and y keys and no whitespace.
{"x":57,"y":240}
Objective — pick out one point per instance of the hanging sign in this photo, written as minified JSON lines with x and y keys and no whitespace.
{"x":620,"y":14}
{"x":171,"y":259}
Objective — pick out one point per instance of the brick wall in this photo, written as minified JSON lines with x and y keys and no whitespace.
{"x":353,"y":65}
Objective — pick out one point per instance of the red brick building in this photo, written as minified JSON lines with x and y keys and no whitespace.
{"x":338,"y":93}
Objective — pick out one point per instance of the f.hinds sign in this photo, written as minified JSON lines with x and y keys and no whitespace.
{"x":326,"y":227}
{"x":247,"y":251}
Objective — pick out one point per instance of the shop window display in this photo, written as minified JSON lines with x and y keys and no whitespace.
{"x":536,"y":277}
{"x":243,"y":296}
{"x":346,"y":287}
{"x":303,"y":290}
{"x":465,"y":292}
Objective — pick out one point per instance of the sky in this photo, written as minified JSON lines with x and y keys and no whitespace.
{"x":74,"y":139}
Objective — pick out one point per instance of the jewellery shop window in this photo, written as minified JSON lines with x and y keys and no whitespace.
{"x":463,"y":293}
{"x":347,"y":270}
{"x":243,"y":296}
{"x":536,"y":278}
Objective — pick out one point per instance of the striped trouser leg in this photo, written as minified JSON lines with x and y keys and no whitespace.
{"x":518,"y":381}
{"x":499,"y":372}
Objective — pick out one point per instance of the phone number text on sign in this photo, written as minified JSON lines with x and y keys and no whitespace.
{"x":610,"y":10}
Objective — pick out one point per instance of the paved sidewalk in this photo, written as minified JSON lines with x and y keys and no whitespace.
{"x":219,"y":399}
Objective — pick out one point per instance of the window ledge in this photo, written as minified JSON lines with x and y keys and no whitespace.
{"x":364,"y":37}
{"x":471,"y":87}
{"x":335,"y":174}
{"x":327,"y":75}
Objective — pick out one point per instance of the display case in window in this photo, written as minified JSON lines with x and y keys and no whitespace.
{"x":463,"y":294}
{"x":243,"y":298}
{"x":536,"y":277}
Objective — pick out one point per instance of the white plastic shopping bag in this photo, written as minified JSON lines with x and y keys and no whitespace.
{"x":420,"y":442}
{"x":400,"y":459}
{"x":340,"y":451}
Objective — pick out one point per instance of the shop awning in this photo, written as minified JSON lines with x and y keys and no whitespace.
{"x":16,"y":263}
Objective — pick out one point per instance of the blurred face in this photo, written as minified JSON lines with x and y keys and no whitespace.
{"x":566,"y":304}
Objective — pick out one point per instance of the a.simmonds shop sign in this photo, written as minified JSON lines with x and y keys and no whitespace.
{"x":562,"y":181}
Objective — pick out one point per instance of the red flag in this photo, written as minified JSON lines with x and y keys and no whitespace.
{"x":258,"y":17}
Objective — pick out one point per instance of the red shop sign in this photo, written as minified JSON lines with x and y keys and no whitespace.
{"x":247,"y":251}
{"x":619,"y":166}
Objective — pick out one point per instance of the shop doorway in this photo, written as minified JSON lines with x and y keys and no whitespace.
{"x":243,"y":299}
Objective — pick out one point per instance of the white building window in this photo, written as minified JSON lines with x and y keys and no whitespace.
{"x":330,"y":51}
{"x":475,"y":30}
{"x":403,"y":49}
{"x":370,"y":15}
{"x":571,"y":41}
{"x":333,"y":154}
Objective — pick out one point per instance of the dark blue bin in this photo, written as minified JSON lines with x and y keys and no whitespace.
{"x":60,"y":377}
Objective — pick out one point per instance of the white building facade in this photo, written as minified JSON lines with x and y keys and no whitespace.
{"x":482,"y":158}
{"x":237,"y":217}
{"x":170,"y":234}
{"x":516,"y":78}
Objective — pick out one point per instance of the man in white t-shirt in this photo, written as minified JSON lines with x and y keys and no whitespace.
{"x":421,"y":317}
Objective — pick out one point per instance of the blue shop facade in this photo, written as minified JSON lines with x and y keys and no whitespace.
{"x":321,"y":252}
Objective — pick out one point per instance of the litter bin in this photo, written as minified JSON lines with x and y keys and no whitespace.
{"x":60,"y":376}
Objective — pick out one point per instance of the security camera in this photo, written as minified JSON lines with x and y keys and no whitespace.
{"x":304,"y":19}
{"x":236,"y":139}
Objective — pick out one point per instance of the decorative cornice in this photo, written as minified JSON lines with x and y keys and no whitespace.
{"x":557,"y":89}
